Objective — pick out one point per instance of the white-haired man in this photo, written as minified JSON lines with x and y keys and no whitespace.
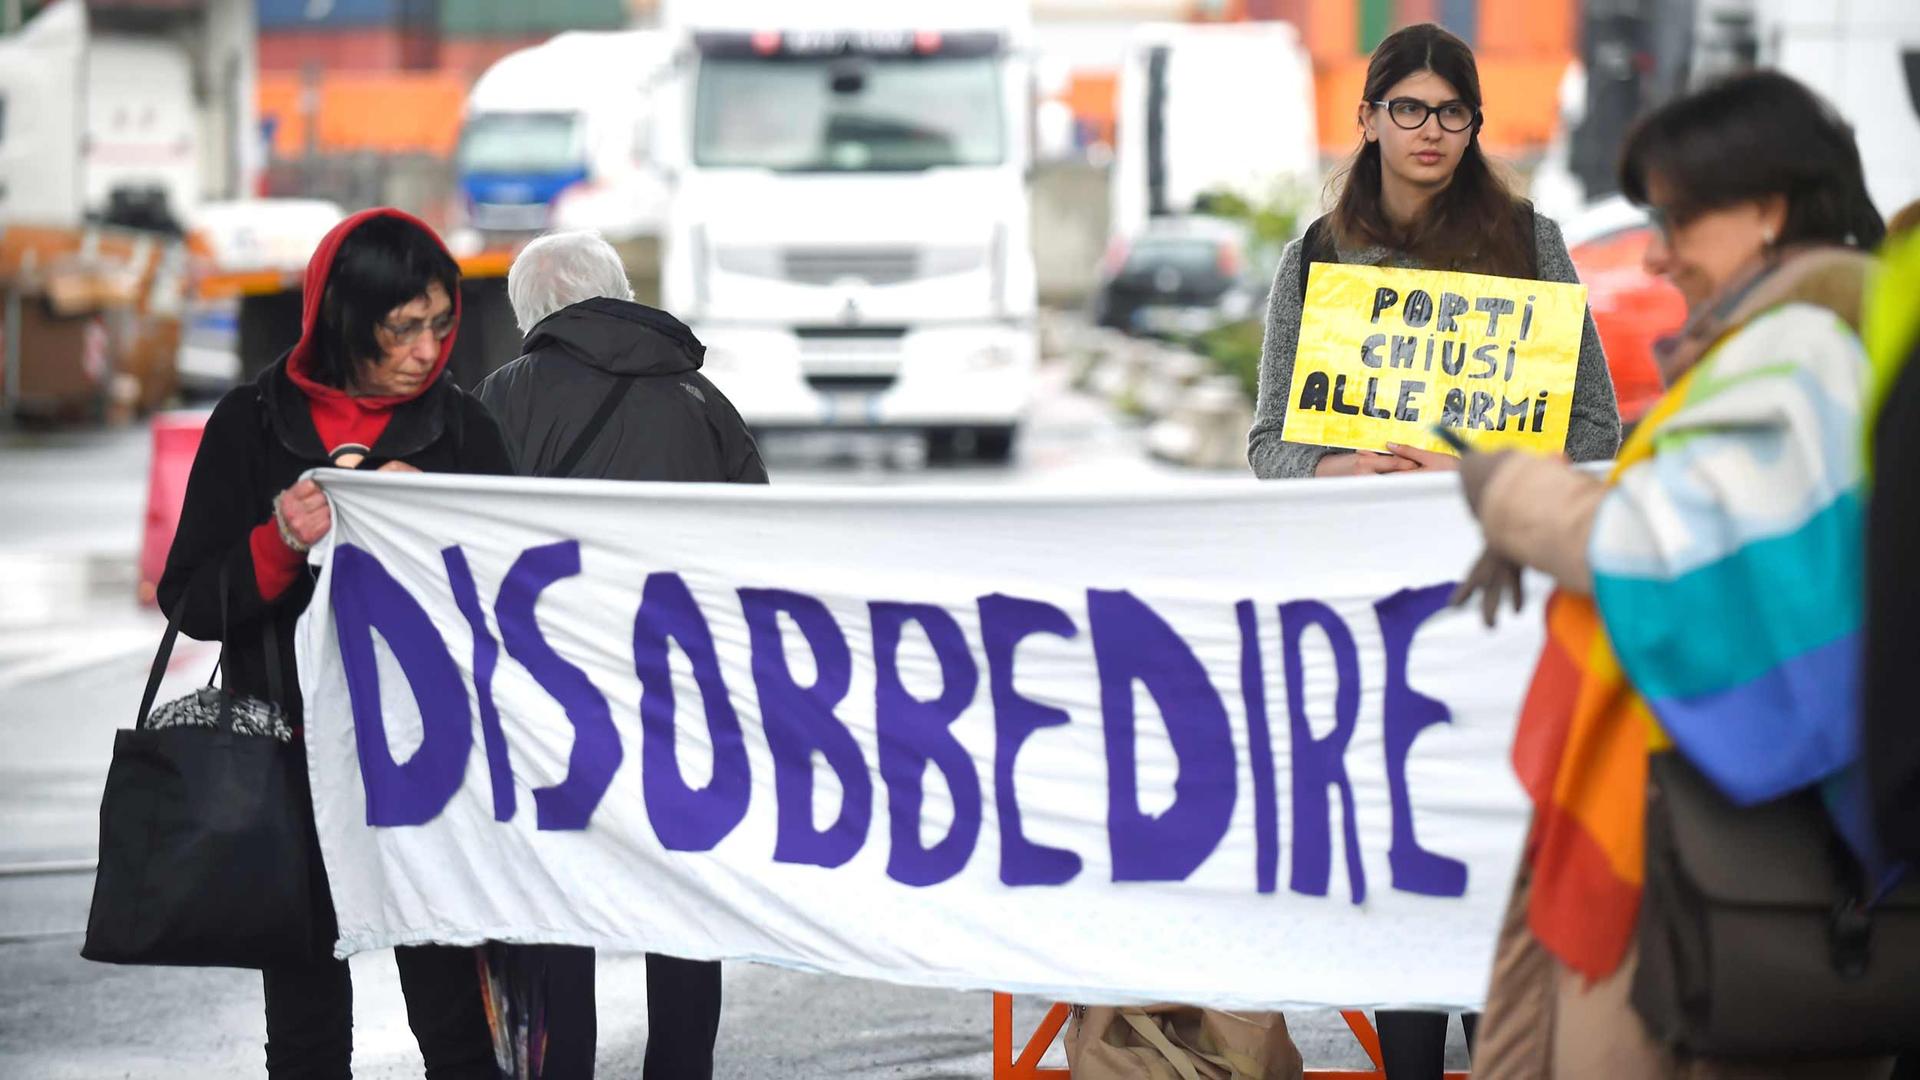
{"x":611,"y":389}
{"x":593,"y":354}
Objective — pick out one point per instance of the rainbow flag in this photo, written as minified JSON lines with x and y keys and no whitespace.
{"x":1725,"y":620}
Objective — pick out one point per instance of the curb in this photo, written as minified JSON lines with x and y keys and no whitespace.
{"x":1195,"y":416}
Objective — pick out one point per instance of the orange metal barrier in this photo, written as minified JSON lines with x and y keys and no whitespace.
{"x":1027,"y":1065}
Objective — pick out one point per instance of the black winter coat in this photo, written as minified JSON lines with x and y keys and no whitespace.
{"x":258,"y":441}
{"x":1891,"y":747}
{"x":672,"y":425}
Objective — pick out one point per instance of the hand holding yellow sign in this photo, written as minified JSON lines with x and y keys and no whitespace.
{"x":1385,"y":354}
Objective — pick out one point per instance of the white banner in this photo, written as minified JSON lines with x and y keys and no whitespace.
{"x":1217,"y":743}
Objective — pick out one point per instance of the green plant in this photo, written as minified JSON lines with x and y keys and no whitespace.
{"x":1234,"y":349}
{"x":1271,"y":220}
{"x":1271,"y":217}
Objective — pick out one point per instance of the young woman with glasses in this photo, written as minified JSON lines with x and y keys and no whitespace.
{"x":1419,"y":193}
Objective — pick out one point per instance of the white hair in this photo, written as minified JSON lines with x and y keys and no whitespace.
{"x":561,"y":269}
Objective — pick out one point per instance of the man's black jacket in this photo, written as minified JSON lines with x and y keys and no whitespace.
{"x":1891,"y":739}
{"x":672,"y":425}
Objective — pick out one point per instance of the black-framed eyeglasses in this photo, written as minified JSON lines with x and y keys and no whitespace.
{"x":1412,"y":113}
{"x":1668,"y":221}
{"x":408,"y":332}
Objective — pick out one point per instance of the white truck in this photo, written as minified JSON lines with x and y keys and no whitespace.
{"x":848,"y":219}
{"x":96,"y":125}
{"x":557,"y":136}
{"x":1186,"y":92}
{"x":1864,"y":57}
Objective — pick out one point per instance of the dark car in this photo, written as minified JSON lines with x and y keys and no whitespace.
{"x":1177,"y":277}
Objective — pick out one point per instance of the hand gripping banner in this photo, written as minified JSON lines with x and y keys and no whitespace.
{"x":1218,"y":743}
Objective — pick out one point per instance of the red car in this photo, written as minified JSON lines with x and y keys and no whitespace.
{"x":1632,"y":309}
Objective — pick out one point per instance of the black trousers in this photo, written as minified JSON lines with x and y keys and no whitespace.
{"x":310,"y":1016}
{"x":683,"y":1016}
{"x":1413,"y":1042}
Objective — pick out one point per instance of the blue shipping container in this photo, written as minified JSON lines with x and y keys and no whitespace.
{"x":347,"y":14}
{"x":1463,"y":18}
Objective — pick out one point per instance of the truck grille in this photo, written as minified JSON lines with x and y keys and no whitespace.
{"x":821,"y":266}
{"x":875,"y":266}
{"x":850,"y":384}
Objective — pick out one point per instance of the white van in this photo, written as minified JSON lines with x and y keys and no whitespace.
{"x":848,"y":226}
{"x":143,"y":129}
{"x":91,"y":120}
{"x":42,"y":118}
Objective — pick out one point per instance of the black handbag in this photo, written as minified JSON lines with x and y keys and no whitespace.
{"x":1756,"y":937}
{"x":208,"y":856}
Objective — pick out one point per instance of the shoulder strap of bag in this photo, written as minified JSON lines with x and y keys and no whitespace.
{"x":1144,"y":1026}
{"x":269,"y":644}
{"x":457,"y":422}
{"x":1315,"y":246}
{"x":1528,"y":238}
{"x":1235,"y":1064}
{"x":160,"y":658}
{"x":598,"y":420}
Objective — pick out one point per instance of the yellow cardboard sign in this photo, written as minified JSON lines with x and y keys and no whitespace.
{"x":1385,"y":354}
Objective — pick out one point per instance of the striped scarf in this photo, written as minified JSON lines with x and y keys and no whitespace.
{"x":1725,"y":619}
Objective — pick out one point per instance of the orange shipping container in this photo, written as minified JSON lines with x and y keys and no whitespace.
{"x":1526,"y":28}
{"x":277,"y":102}
{"x":386,"y":113}
{"x":381,"y":49}
{"x":1330,"y":29}
{"x":1092,"y":96}
{"x":1289,"y":11}
{"x":1522,"y":100}
{"x":1417,"y":11}
{"x":469,"y":57}
{"x":1336,"y":94}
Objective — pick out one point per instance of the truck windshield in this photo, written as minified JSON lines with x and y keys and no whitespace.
{"x":848,"y":114}
{"x":521,"y":143}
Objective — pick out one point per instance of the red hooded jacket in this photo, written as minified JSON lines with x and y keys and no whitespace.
{"x":339,"y":418}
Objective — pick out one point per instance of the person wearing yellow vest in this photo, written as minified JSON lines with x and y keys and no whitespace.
{"x":1891,"y":722}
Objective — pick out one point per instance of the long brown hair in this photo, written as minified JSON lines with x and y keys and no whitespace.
{"x":1472,"y":224}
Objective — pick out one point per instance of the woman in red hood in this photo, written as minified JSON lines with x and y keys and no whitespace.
{"x":363,"y":388}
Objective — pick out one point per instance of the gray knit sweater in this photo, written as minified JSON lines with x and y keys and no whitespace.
{"x":1593,"y":433}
